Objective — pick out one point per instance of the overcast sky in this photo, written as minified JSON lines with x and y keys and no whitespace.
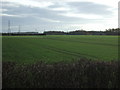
{"x":61,"y":15}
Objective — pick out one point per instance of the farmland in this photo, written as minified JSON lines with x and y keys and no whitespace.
{"x":60,"y":61}
{"x":55,"y":48}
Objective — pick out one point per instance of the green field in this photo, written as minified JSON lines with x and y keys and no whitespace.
{"x":55,"y":48}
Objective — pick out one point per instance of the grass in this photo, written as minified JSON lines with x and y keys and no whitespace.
{"x":55,"y":48}
{"x":60,"y":61}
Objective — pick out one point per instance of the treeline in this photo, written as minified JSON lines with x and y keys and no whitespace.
{"x":76,"y":32}
{"x":84,"y":32}
{"x":23,"y":34}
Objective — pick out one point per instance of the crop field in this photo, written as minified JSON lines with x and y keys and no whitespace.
{"x":55,"y":48}
{"x":60,"y":61}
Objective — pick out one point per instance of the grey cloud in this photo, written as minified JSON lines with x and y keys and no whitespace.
{"x":90,"y":8}
{"x":56,"y":5}
{"x":37,"y":13}
{"x":33,"y":15}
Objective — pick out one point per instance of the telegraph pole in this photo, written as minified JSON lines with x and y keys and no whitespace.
{"x":19,"y":29}
{"x":44,"y":30}
{"x":9,"y":30}
{"x":35,"y":30}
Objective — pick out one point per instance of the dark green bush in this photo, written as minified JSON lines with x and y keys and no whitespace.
{"x":79,"y":74}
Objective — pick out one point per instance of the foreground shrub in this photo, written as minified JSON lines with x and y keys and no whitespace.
{"x":79,"y":74}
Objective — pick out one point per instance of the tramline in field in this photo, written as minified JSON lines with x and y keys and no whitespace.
{"x":55,"y":48}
